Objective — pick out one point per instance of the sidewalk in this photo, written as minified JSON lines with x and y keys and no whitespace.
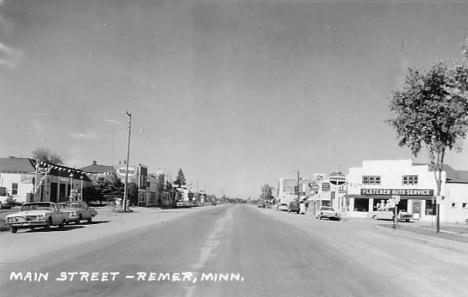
{"x":449,"y":231}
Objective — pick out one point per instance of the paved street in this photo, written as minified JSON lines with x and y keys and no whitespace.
{"x":232,"y":250}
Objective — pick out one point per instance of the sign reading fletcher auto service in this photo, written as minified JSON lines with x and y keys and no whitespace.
{"x":337,"y":178}
{"x":399,"y":192}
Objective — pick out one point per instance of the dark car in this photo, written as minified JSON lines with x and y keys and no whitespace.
{"x":293,"y":207}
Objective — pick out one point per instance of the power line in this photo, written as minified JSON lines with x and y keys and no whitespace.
{"x":33,"y":114}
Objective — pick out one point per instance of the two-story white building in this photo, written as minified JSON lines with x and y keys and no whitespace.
{"x":378,"y":181}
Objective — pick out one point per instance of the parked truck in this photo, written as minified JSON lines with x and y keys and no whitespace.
{"x":184,"y":198}
{"x":388,"y":214}
{"x":6,"y":201}
{"x":286,"y":192}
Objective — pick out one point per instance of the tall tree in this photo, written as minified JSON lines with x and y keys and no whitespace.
{"x":266,"y":192}
{"x":133,"y":193}
{"x":46,"y":155}
{"x":180,"y":181}
{"x":432,"y":110}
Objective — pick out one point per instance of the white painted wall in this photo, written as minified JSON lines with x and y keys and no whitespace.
{"x":391,"y":173}
{"x":456,"y":203}
{"x":24,"y":182}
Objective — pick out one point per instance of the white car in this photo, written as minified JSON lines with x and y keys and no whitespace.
{"x":283,"y":207}
{"x":328,"y":212}
{"x":78,"y":211}
{"x":37,"y":214}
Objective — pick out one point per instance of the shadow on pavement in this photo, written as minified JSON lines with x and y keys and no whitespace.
{"x":52,"y":229}
{"x":86,"y":223}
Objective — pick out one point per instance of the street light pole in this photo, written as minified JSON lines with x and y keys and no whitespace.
{"x":113,"y":137}
{"x":81,"y":191}
{"x":128,"y":157}
{"x":71,"y":186}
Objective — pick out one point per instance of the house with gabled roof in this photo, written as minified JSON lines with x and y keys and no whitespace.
{"x":96,"y":171}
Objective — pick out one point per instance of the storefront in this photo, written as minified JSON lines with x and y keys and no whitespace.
{"x":376,"y":182}
{"x":419,"y":202}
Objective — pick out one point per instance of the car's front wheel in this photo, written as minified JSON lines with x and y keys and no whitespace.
{"x":14,"y":229}
{"x":90,"y":220}
{"x":47,"y":226}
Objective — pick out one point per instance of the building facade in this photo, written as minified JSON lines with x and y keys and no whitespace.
{"x":376,"y":182}
{"x":28,"y":180}
{"x":137,"y":174}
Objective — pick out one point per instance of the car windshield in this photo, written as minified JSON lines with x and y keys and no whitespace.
{"x":74,"y":205}
{"x":37,"y":206}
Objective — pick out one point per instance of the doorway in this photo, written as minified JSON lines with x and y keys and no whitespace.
{"x":416,"y":210}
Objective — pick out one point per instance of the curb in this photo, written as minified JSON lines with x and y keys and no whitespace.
{"x":462,"y":239}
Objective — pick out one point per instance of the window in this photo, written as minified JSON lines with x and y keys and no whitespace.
{"x":464,"y":205}
{"x":370,"y":180}
{"x":454,"y":205}
{"x":361,"y":204}
{"x":430,"y":208}
{"x":410,"y":179}
{"x":14,"y":189}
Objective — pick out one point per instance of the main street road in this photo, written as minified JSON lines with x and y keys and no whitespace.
{"x":239,"y":250}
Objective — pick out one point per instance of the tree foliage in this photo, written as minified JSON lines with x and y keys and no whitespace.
{"x":267,"y":192}
{"x":180,"y":181}
{"x":46,"y":155}
{"x":107,"y":190}
{"x":432,"y":110}
{"x":133,"y":193}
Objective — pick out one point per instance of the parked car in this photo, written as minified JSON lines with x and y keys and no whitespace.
{"x":261,"y":204}
{"x":37,"y":214}
{"x":283,"y":207}
{"x":6,"y":201}
{"x":387,"y":214}
{"x":328,"y":212}
{"x":293,"y":207}
{"x":78,"y":211}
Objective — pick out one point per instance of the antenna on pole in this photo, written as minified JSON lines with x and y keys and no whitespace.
{"x":113,"y":137}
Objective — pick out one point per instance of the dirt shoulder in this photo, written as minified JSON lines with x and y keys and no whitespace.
{"x":28,"y":243}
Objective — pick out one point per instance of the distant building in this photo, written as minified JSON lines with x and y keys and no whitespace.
{"x":96,"y":171}
{"x":137,"y":174}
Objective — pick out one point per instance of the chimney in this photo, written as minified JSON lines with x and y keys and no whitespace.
{"x":94,"y":163}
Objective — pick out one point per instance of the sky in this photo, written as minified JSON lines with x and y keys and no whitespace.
{"x":236,"y":95}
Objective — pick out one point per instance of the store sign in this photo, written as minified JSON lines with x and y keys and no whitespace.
{"x":325,"y":186}
{"x":397,"y":192}
{"x":132,"y":171}
{"x":319,"y":177}
{"x":337,"y":178}
{"x":314,"y":186}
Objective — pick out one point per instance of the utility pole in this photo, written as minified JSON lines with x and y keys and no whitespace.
{"x":128,"y":157}
{"x":298,"y":187}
